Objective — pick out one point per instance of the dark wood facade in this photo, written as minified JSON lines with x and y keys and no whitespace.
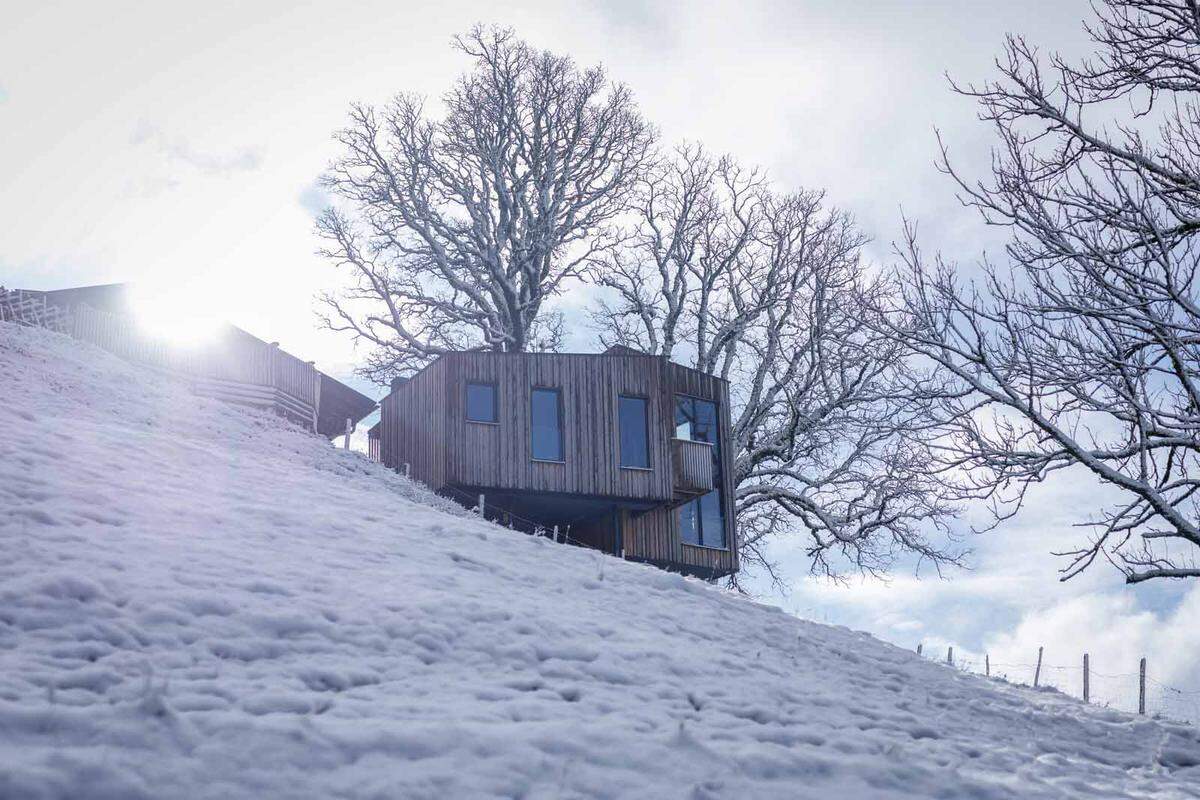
{"x":424,"y":429}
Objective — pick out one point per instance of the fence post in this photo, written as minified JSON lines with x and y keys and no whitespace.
{"x":407,"y":469}
{"x":555,"y":533}
{"x":1037,"y":675}
{"x":315,"y":385}
{"x":919,"y":644}
{"x":1142,"y":686}
{"x":950,"y":655}
{"x":1087,"y":693}
{"x":481,"y":505}
{"x":987,"y":665}
{"x":346,"y":441}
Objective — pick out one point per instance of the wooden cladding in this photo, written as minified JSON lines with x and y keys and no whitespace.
{"x":693,"y":463}
{"x":425,"y":424}
{"x":501,"y":456}
{"x":234,"y":366}
{"x":232,"y":355}
{"x":708,"y":560}
{"x":654,"y":536}
{"x":694,"y":383}
{"x":413,"y":426}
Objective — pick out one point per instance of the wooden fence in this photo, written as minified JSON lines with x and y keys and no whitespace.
{"x":234,"y":366}
{"x":27,"y":308}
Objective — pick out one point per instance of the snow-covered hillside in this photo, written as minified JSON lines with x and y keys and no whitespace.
{"x":202,"y":602}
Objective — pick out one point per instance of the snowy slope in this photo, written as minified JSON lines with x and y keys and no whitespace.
{"x":203,"y":602}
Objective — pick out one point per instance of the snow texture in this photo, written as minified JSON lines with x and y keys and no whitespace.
{"x":204,"y":602}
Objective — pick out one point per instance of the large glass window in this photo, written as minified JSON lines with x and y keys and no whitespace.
{"x":635,"y":435}
{"x":545,"y":414}
{"x":481,"y":402}
{"x":696,"y":419}
{"x":702,"y":520}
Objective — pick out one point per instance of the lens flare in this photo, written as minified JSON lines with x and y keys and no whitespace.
{"x":183,"y":314}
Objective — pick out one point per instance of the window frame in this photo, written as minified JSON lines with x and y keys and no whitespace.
{"x":720,"y":488}
{"x":562,"y":424}
{"x":646,"y":432}
{"x":495,"y":387}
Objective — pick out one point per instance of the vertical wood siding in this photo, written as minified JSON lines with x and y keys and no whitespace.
{"x":231,"y":357}
{"x":653,"y":535}
{"x":499,"y":456}
{"x":412,"y":426}
{"x":693,"y":465}
{"x":423,"y":423}
{"x":709,"y":560}
{"x":709,"y":387}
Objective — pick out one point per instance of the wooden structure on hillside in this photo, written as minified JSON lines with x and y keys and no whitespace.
{"x":232,"y":365}
{"x":624,"y":451}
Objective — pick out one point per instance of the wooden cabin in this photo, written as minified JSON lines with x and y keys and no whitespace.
{"x":621,"y":451}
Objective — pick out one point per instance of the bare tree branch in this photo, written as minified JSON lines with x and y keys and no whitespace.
{"x":768,"y":291}
{"x":456,"y":231}
{"x":1081,"y":351}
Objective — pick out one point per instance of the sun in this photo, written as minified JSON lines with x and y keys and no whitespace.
{"x":185,"y":314}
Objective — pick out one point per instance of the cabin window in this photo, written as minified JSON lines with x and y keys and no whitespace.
{"x":702,"y":520}
{"x":481,"y":403}
{"x":635,"y":433}
{"x":545,"y":413}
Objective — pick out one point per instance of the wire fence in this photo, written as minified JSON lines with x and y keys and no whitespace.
{"x":1135,"y":691}
{"x":510,"y":519}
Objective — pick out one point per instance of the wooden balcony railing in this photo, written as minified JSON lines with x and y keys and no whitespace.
{"x":693,"y":467}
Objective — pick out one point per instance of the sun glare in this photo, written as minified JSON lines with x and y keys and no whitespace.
{"x":182,"y":314}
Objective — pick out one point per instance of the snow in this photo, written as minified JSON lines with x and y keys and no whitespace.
{"x":201,"y":601}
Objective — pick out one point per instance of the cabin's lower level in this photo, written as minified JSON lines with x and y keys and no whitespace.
{"x":636,"y":531}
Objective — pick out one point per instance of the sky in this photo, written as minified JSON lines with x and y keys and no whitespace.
{"x":180,"y":145}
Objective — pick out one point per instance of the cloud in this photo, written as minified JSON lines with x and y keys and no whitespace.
{"x":178,"y":151}
{"x":651,"y":24}
{"x":314,"y":199}
{"x":1116,"y":633}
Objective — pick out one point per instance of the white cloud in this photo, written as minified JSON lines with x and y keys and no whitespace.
{"x":178,"y":151}
{"x":1116,"y":633}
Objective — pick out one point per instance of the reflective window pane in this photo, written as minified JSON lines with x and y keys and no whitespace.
{"x":705,"y":421}
{"x":712,"y":521}
{"x":546,"y":425}
{"x":684,"y":412}
{"x":635,"y":445}
{"x":481,"y":402}
{"x":689,"y":522}
{"x":701,"y":521}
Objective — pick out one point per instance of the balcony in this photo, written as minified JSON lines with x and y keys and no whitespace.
{"x":692,"y":464}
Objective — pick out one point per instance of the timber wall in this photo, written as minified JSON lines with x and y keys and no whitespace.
{"x":412,"y":426}
{"x":654,"y":535}
{"x":499,"y":456}
{"x":423,"y":423}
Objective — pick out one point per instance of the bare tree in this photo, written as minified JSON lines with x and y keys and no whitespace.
{"x":769,"y":292}
{"x":1080,"y":352}
{"x":457,"y":230}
